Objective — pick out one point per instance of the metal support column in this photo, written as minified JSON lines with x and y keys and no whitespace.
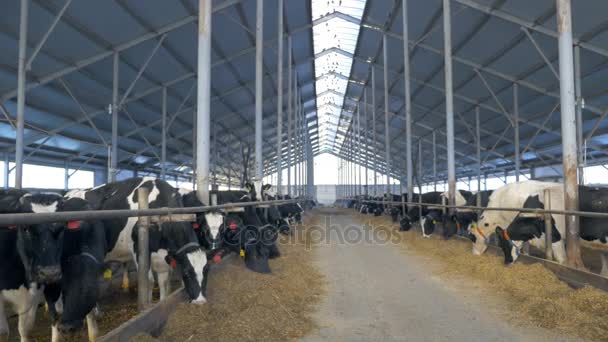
{"x":449,"y":100}
{"x":387,"y":143}
{"x":66,"y":176}
{"x":569,"y":146}
{"x":163,"y":145}
{"x":516,"y":128}
{"x":114,"y":150}
{"x":143,"y":251}
{"x":408,"y":108}
{"x":366,"y":147}
{"x":359,"y":147}
{"x":203,"y":131}
{"x":478,"y":143}
{"x":374,"y":145}
{"x":579,"y":113}
{"x":289,"y":112}
{"x":6,"y":170}
{"x":21,"y":80}
{"x":259,"y":79}
{"x":434,"y":163}
{"x":280,"y":99}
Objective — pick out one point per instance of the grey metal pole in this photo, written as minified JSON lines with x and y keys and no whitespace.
{"x":163,"y":148}
{"x":374,"y":145}
{"x":66,"y":176}
{"x":289,"y":112}
{"x":568,"y":119}
{"x":516,"y":128}
{"x":143,"y":251}
{"x":478,"y":141}
{"x":203,"y":131}
{"x":114,"y":151}
{"x":194,"y":147}
{"x":366,"y":147}
{"x":434,"y":163}
{"x":449,"y":101}
{"x":259,"y":78}
{"x":387,"y":139}
{"x":359,"y":147}
{"x":280,"y":99}
{"x":296,"y":169}
{"x":21,"y":80}
{"x":6,"y":170}
{"x":579,"y":113}
{"x":408,"y":106}
{"x":548,"y":226}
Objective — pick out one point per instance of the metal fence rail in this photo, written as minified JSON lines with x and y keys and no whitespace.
{"x":37,"y":218}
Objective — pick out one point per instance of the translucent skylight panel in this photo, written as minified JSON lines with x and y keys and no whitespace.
{"x":354,"y":8}
{"x":335,"y":41}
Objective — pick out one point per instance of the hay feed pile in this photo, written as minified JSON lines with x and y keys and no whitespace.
{"x":247,"y":306}
{"x":534,"y":295}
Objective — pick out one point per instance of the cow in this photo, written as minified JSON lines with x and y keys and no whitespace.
{"x":172,"y":244}
{"x":531,"y":228}
{"x":449,"y":227}
{"x":75,"y":297}
{"x":72,"y":253}
{"x":514,"y":195}
{"x":414,"y":213}
{"x":463,"y":217}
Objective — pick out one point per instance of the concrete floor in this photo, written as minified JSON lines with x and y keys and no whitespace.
{"x":378,"y":293}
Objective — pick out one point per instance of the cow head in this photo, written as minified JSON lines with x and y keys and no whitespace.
{"x":480,"y":233}
{"x":214,"y":221}
{"x":40,"y":245}
{"x":428,"y":223}
{"x":184,"y":251}
{"x":257,"y":190}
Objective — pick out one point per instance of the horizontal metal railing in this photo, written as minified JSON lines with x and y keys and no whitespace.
{"x":37,"y":218}
{"x":526,"y":210}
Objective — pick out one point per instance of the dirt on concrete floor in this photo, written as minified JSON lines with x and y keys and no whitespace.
{"x":243,"y":305}
{"x":534,"y":295}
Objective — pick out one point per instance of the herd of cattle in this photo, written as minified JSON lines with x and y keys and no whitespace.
{"x":512,"y":230}
{"x":61,"y":263}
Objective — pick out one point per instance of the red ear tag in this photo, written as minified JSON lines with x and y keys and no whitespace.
{"x":12,"y":227}
{"x":217,"y":258}
{"x":232,"y":225}
{"x":74,"y":225}
{"x":173,"y":263}
{"x":196,"y":225}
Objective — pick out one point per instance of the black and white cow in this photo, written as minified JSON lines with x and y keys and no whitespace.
{"x":450,"y":227}
{"x":529,"y":228}
{"x":413,"y":212}
{"x":47,"y":260}
{"x":514,"y":195}
{"x":171,"y":243}
{"x":462,"y":218}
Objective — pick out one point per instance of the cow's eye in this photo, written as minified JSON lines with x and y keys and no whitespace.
{"x":486,"y":225}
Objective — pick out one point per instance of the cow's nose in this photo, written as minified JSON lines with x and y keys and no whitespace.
{"x":70,"y":327}
{"x":49,"y":274}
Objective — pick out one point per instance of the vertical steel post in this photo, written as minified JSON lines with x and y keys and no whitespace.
{"x":359,"y":147}
{"x":163,"y":148}
{"x":259,"y":78}
{"x":66,"y":176}
{"x":6,"y":170}
{"x":366,"y":148}
{"x":478,"y":143}
{"x":420,"y":176}
{"x":203,"y":122}
{"x":516,"y":128}
{"x":434,"y":162}
{"x":374,"y":145}
{"x":115,"y":111}
{"x":579,"y":113}
{"x":280,"y":99}
{"x":21,"y":80}
{"x":569,"y":146}
{"x":449,"y":101}
{"x":548,"y":226}
{"x":296,"y":169}
{"x":387,"y":140}
{"x":143,"y":251}
{"x":408,"y":105}
{"x":194,"y":148}
{"x":289,"y":112}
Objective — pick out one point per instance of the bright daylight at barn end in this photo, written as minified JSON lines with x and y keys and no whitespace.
{"x":310,"y":170}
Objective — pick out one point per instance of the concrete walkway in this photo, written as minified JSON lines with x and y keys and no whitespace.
{"x":377,"y":293}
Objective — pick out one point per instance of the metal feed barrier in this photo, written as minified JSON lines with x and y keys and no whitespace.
{"x":573,"y":276}
{"x":151,"y":318}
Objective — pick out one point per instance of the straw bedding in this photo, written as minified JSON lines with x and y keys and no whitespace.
{"x":243,"y":305}
{"x":534,"y":296}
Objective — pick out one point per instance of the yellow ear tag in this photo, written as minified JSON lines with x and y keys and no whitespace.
{"x":107,"y":274}
{"x":434,"y":222}
{"x":242,"y":254}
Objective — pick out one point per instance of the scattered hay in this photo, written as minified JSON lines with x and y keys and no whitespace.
{"x":244,"y":305}
{"x":533,"y":295}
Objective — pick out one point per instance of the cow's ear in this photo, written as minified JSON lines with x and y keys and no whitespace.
{"x":267,"y":186}
{"x":248,"y":187}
